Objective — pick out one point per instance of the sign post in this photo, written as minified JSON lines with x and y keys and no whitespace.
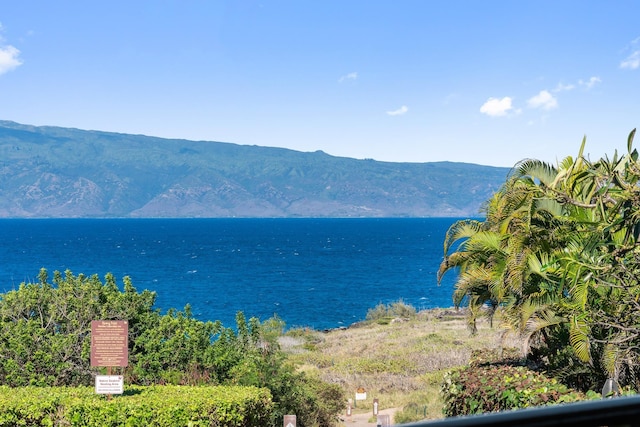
{"x":361,"y":394}
{"x":375,"y":407}
{"x":109,"y":348}
{"x":109,"y":384}
{"x":109,"y":343}
{"x":289,"y":421}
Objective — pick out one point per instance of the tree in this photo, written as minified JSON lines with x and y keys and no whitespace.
{"x":45,"y":327}
{"x":558,"y":255}
{"x":45,"y":340}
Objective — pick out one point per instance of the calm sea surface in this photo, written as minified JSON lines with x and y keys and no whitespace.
{"x":321,"y":273}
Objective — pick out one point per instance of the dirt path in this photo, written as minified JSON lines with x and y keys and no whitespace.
{"x":362,"y":420}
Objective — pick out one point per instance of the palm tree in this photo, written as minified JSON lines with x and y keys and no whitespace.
{"x":558,"y":254}
{"x":522,"y":258}
{"x":492,"y":257}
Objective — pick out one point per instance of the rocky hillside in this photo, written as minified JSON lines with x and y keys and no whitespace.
{"x":63,"y":172}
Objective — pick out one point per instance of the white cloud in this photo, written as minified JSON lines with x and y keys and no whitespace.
{"x":590,"y":83}
{"x":544,"y":100}
{"x":562,"y":87}
{"x":400,"y":111}
{"x":587,"y":84}
{"x":350,"y":76}
{"x":632,"y":61}
{"x":497,"y":107}
{"x":9,"y":58}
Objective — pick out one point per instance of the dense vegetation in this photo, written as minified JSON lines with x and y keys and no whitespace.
{"x":45,"y":341}
{"x":497,"y":382}
{"x":557,"y":257}
{"x":157,"y":406}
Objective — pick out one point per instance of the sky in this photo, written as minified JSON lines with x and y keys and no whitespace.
{"x":485,"y":82}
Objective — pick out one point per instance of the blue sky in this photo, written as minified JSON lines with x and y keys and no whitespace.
{"x":487,"y":82}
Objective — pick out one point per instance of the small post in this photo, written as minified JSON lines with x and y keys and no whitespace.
{"x":610,"y":388}
{"x":383,"y":420}
{"x":289,"y":421}
{"x":109,"y":373}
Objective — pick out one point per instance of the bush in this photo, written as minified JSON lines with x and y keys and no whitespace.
{"x":45,"y":340}
{"x":138,"y":406}
{"x":384,"y":313}
{"x":45,"y":327}
{"x":479,"y":389}
{"x":409,"y":413}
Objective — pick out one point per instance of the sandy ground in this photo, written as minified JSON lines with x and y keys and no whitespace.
{"x":362,"y":420}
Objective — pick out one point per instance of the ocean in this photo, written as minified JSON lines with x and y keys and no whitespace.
{"x":318,"y":273}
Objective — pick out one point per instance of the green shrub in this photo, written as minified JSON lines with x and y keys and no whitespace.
{"x":45,"y":337}
{"x":138,"y":406}
{"x":380,"y":311}
{"x":400,"y":309}
{"x":479,"y":389}
{"x":410,"y":413}
{"x":384,"y":313}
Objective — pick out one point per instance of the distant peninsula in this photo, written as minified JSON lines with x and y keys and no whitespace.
{"x":56,"y":172}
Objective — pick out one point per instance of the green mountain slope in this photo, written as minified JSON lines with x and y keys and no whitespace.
{"x":62,"y":172}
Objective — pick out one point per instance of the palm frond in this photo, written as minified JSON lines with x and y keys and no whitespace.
{"x":461,"y":230}
{"x":579,"y":339}
{"x":632,"y":134}
{"x":541,"y":171}
{"x":610,"y":359}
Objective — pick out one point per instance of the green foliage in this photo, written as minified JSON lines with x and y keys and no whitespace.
{"x":410,"y":413}
{"x":557,"y":257}
{"x":315,"y":402}
{"x":45,"y":340}
{"x":479,"y":389}
{"x":178,"y":349}
{"x":45,"y":327}
{"x":384,"y":313}
{"x":138,"y":406}
{"x":559,"y":360}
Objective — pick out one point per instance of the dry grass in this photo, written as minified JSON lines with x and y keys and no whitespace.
{"x":399,"y":363}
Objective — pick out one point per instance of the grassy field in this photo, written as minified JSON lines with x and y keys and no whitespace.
{"x":401,"y":362}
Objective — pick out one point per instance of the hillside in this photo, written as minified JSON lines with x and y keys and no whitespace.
{"x":63,"y":172}
{"x":401,"y":363}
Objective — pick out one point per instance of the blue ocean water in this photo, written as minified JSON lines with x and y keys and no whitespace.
{"x":319,"y":273}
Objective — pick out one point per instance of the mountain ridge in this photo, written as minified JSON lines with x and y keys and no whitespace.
{"x":51,"y":172}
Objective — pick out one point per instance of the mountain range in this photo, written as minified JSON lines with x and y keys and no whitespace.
{"x":56,"y":172}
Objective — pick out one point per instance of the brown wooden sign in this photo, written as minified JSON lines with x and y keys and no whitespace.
{"x":109,"y":343}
